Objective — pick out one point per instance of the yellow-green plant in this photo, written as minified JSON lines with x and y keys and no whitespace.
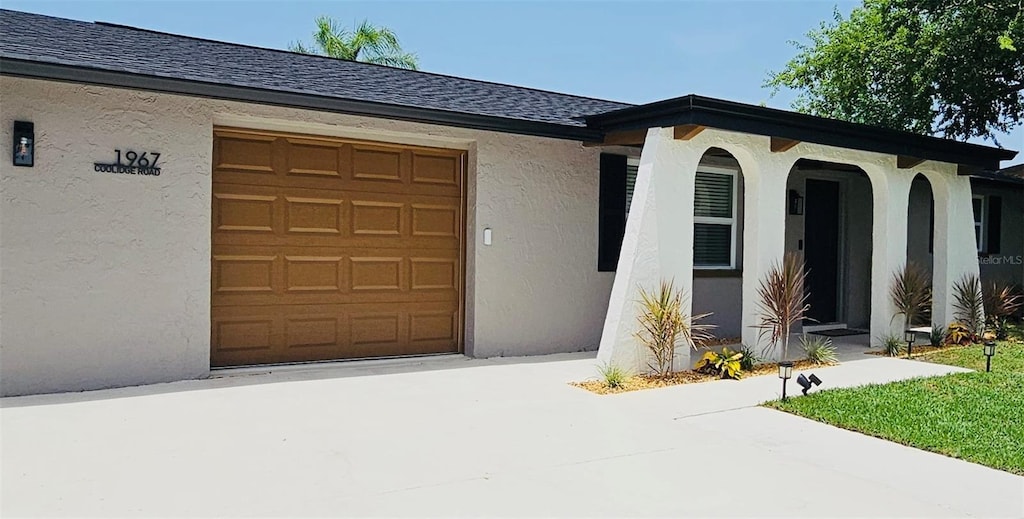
{"x":960,"y":334}
{"x":911,"y":294}
{"x":782,"y":302}
{"x":727,"y":364}
{"x":612,"y":375}
{"x":663,"y":326}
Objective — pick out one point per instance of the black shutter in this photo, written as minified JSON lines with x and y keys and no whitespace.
{"x":611,"y":223}
{"x":995,"y":224}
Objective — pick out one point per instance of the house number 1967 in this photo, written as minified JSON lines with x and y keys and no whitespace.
{"x":131,"y":163}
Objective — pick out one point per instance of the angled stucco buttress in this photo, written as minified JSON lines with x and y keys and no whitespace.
{"x":657,"y":245}
{"x":954,"y":254}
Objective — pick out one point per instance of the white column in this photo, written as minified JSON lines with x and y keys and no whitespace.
{"x":658,"y":244}
{"x":891,"y":193}
{"x":764,"y":235}
{"x":954,"y":250}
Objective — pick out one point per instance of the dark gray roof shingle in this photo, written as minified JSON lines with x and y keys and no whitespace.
{"x":59,"y":41}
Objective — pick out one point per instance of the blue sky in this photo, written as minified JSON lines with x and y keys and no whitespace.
{"x":626,"y":51}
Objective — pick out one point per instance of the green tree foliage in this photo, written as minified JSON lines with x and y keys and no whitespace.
{"x":926,"y":66}
{"x":365,"y":42}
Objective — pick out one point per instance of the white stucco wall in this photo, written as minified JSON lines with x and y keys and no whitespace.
{"x":105,"y":278}
{"x":659,"y":238}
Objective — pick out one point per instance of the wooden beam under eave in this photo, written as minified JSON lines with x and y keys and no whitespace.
{"x":780,"y":145}
{"x":964,"y":170}
{"x":685,"y":132}
{"x":625,"y":138}
{"x":907,"y":162}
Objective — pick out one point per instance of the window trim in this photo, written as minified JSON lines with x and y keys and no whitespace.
{"x":731,"y":221}
{"x":980,"y":222}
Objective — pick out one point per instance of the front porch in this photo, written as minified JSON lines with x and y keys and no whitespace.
{"x":844,"y":210}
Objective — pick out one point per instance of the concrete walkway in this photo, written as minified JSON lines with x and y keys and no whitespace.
{"x":457,"y":437}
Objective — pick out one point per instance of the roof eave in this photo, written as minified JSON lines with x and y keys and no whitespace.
{"x":59,"y":72}
{"x":728,"y":115}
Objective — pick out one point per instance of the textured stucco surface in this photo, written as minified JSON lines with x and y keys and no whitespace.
{"x":659,"y":238}
{"x":105,"y":277}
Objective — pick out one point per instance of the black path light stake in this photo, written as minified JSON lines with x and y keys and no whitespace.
{"x":990,"y":350}
{"x":909,"y":336}
{"x":785,"y":373}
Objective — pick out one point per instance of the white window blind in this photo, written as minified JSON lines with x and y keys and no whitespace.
{"x":632,"y":166}
{"x":714,"y":217}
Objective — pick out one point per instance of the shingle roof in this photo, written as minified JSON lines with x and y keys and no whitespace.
{"x":99,"y":46}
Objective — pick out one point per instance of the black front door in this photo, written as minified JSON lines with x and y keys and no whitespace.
{"x":821,"y":248}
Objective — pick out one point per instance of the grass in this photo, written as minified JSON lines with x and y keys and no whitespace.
{"x":974,"y":416}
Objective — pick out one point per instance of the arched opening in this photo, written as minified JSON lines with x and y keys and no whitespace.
{"x":829,"y":215}
{"x":718,"y":243}
{"x":921,"y":229}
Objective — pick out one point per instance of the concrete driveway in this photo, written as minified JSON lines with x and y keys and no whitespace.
{"x":457,"y":437}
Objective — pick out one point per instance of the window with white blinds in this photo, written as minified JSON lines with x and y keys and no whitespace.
{"x":632,"y":166}
{"x":714,"y":219}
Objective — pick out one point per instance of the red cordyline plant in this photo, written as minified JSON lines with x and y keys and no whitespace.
{"x":1000,"y":301}
{"x":782,"y":302}
{"x":911,"y":293}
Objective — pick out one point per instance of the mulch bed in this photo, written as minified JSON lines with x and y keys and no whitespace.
{"x":918,"y":351}
{"x":641,"y":382}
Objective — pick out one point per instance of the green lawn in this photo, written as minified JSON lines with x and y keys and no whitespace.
{"x":976,"y":416}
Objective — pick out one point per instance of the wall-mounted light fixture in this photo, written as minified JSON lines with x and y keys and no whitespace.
{"x":796,"y":202}
{"x":24,"y":144}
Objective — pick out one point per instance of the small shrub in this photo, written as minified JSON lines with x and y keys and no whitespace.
{"x":663,"y":326}
{"x":960,"y":334}
{"x":892,"y":345}
{"x":819,"y":350}
{"x":968,"y":303}
{"x":725,"y":364}
{"x":749,"y":359}
{"x":612,"y":375}
{"x":937,"y":336}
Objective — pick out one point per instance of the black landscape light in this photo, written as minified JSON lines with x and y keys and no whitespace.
{"x":990,"y":350}
{"x":909,"y":336}
{"x":805,"y":382}
{"x":785,"y":373}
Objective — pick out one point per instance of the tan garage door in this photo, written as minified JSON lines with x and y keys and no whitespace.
{"x":328,"y":249}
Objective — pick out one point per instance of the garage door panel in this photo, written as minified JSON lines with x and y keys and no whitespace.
{"x":297,"y":333}
{"x":331,"y":249}
{"x":262,"y":215}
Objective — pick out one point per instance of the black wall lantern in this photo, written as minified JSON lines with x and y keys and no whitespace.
{"x":796,"y":202}
{"x":24,"y":144}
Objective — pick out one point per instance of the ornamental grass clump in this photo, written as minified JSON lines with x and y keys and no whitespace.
{"x":819,"y":350}
{"x":911,"y":294}
{"x":782,"y":302}
{"x":663,"y":326}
